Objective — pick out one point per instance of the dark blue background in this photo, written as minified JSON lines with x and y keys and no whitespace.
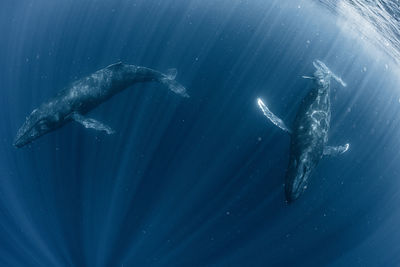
{"x":198,"y":181}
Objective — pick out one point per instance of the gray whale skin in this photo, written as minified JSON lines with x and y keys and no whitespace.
{"x":72,"y":103}
{"x":309,"y":133}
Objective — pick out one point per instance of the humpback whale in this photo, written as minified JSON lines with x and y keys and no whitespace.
{"x":72,"y":103}
{"x":309,"y":132}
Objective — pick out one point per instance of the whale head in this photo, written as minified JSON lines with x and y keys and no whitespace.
{"x":297,"y":176}
{"x":38,"y":123}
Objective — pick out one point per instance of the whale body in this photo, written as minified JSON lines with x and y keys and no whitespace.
{"x":309,"y":132}
{"x":72,"y":103}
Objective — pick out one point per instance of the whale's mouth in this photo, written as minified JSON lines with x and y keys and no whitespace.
{"x":24,"y":137}
{"x":299,"y":184}
{"x":28,"y":132}
{"x":20,"y":143}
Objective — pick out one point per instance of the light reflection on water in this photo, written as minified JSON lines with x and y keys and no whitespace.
{"x":376,"y":21}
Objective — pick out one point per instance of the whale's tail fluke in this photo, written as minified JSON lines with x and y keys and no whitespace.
{"x":171,"y":73}
{"x":169,"y":81}
{"x":324,"y":71}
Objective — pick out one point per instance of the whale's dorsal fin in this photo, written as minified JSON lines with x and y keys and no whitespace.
{"x":272,"y":117}
{"x":91,"y":123}
{"x":335,"y":150}
{"x":118,"y":64}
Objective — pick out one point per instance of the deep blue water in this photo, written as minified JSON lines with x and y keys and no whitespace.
{"x":194,"y":181}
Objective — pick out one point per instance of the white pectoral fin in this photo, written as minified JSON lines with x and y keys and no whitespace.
{"x":91,"y":123}
{"x":272,"y":117}
{"x":335,"y":150}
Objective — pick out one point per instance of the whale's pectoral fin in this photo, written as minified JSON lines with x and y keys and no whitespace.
{"x":272,"y":117}
{"x":335,"y":150}
{"x":91,"y":123}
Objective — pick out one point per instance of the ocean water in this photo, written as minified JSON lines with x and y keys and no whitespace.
{"x":199,"y":181}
